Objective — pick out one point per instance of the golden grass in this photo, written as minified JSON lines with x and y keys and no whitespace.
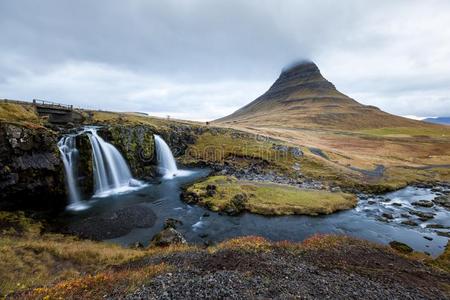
{"x":443,"y":261}
{"x":52,"y":266}
{"x":98,"y":285}
{"x":12,"y":112}
{"x":269,"y":198}
{"x":31,"y":259}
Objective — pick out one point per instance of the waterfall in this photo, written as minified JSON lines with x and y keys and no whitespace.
{"x":166,"y":161}
{"x":110,"y":170}
{"x":69,"y":155}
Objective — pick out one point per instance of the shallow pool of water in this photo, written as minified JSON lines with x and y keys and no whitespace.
{"x":200,"y":225}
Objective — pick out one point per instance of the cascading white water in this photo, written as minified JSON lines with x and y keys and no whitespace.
{"x":111,"y":172}
{"x":69,"y":155}
{"x":166,"y":161}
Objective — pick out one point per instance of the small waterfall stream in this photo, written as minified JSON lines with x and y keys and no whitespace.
{"x":69,"y":155}
{"x":166,"y":161}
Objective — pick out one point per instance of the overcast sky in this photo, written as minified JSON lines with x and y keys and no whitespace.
{"x":202,"y":60}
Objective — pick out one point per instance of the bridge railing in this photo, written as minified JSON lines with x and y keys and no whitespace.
{"x":52,"y":104}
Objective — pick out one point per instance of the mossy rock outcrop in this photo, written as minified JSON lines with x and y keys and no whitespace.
{"x":31,"y":171}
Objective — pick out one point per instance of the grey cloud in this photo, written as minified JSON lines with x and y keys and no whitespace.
{"x":203,"y":59}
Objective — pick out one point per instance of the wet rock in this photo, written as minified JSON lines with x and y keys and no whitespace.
{"x":423,"y":203}
{"x":136,"y":245}
{"x":113,"y":224}
{"x":410,"y":223}
{"x":203,"y":235}
{"x":401,"y":247}
{"x":443,"y":233}
{"x":190,"y":197}
{"x":371,"y":202}
{"x":172,"y":223}
{"x":442,"y":201}
{"x":397,"y":204}
{"x":388,"y":216}
{"x":428,"y":238}
{"x":423,"y":216}
{"x":167,"y":237}
{"x":206,"y":214}
{"x":436,"y":226}
{"x":211,"y":190}
{"x":237,"y":204}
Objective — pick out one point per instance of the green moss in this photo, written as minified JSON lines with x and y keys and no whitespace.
{"x":226,"y":146}
{"x":221,"y":193}
{"x":401,"y":247}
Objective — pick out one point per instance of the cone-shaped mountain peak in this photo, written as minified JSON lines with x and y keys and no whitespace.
{"x":302,"y":97}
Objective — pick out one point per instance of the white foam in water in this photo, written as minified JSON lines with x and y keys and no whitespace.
{"x":166,"y":161}
{"x":198,"y":225}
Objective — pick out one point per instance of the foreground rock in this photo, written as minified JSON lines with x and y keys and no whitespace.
{"x":326,"y":268}
{"x":113,"y":224}
{"x":167,"y":237}
{"x":31,"y":173}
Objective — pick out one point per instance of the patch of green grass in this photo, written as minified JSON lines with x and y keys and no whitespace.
{"x":437,"y":131}
{"x":233,"y":195}
{"x":240,"y":150}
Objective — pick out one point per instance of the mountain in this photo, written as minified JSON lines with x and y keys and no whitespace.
{"x":438,"y":120}
{"x":302,"y":97}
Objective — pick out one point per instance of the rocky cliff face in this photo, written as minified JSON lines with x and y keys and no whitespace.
{"x":31,"y":172}
{"x":137,"y":145}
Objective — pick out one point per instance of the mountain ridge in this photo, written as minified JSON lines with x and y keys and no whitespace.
{"x":302,"y":97}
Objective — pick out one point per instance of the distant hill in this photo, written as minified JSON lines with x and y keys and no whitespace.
{"x":301,"y":97}
{"x":438,"y":120}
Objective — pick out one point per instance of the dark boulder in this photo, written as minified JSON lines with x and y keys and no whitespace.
{"x":401,"y":247}
{"x":423,"y":216}
{"x":237,"y":204}
{"x":423,"y":203}
{"x":167,"y":237}
{"x":172,"y":223}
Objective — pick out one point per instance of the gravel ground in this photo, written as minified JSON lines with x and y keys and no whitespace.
{"x":354,"y":273}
